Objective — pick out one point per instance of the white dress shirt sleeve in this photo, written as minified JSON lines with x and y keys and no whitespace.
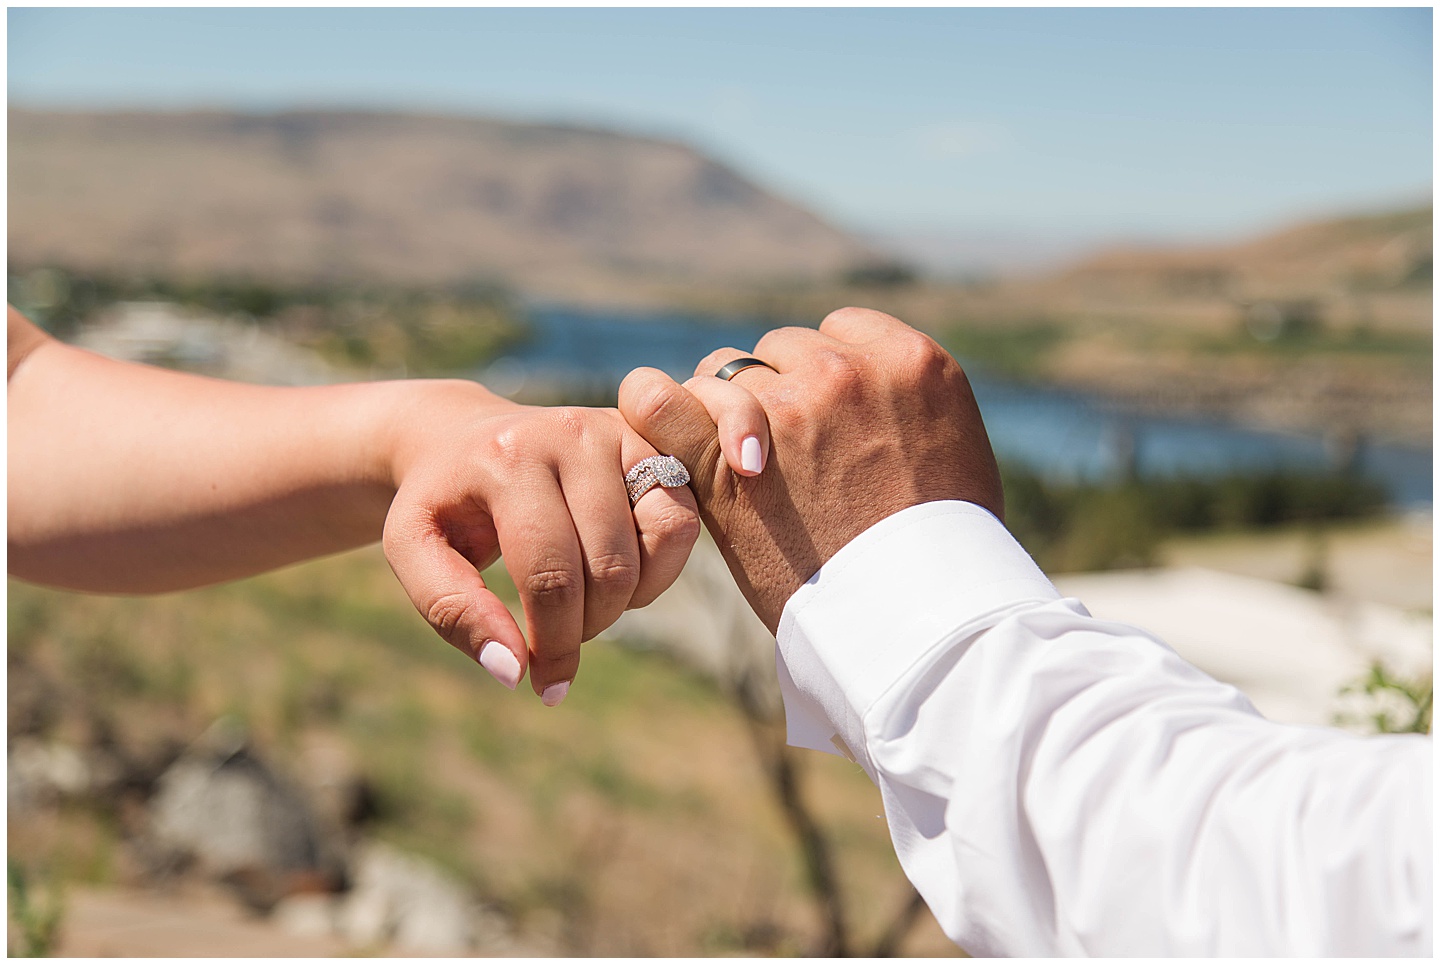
{"x":1061,"y":785}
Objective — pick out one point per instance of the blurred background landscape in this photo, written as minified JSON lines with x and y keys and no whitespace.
{"x":1185,"y":256}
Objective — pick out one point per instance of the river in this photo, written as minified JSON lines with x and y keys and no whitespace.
{"x":1060,"y":434}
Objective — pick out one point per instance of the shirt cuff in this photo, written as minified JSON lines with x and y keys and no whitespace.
{"x":883,"y":603}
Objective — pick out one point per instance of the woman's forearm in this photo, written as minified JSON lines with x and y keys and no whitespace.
{"x":129,"y":478}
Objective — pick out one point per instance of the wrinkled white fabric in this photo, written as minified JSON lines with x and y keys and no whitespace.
{"x":1061,"y":785}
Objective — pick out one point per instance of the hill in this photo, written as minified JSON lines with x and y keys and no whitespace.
{"x":336,"y":196}
{"x":1335,"y":257}
{"x":1324,"y":326}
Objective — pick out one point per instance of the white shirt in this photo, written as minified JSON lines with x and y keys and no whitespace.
{"x":1061,"y":785}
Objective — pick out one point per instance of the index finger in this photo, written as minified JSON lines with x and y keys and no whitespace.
{"x":449,"y":592}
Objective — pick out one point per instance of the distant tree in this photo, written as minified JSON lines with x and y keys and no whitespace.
{"x":880,"y":274}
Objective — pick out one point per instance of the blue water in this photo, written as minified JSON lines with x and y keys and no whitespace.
{"x":1061,"y":434}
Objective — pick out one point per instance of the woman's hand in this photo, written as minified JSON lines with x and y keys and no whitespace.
{"x":126,"y":478}
{"x":478,"y":477}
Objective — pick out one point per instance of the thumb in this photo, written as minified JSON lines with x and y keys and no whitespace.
{"x":676,"y":423}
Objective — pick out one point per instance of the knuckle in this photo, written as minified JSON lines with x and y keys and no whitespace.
{"x":508,"y":447}
{"x":856,"y":319}
{"x":839,"y":370}
{"x":618,"y":570}
{"x":449,"y":613}
{"x":554,"y":586}
{"x":780,"y":337}
{"x":675,"y":524}
{"x":711,"y":363}
{"x":655,"y":403}
{"x":920,"y":356}
{"x":571,"y":422}
{"x":553,"y":662}
{"x":637,"y":381}
{"x":848,"y":313}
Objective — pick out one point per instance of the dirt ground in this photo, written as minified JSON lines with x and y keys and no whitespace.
{"x":1389,"y":561}
{"x":106,"y":923}
{"x":634,"y":820}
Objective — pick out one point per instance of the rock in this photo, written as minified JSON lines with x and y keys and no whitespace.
{"x":402,"y":904}
{"x":311,"y":916}
{"x":44,"y":772}
{"x":222,"y":809}
{"x":408,"y":903}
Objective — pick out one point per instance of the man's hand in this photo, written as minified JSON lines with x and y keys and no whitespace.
{"x":867,"y":417}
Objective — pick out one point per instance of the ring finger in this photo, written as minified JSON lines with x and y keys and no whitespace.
{"x":668,"y":523}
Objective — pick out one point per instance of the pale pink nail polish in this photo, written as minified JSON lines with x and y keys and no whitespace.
{"x":751,"y":459}
{"x":497,"y":658}
{"x":553,"y":694}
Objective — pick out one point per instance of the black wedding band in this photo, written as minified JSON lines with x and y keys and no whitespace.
{"x":729,"y":370}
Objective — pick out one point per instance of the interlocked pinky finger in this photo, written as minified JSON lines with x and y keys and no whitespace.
{"x":740,"y":419}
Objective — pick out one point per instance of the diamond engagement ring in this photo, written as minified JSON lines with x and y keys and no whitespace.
{"x":646,"y":474}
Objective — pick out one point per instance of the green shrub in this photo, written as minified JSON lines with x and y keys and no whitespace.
{"x":444,"y":330}
{"x":37,"y":922}
{"x":1397,"y":705}
{"x":1096,"y":526}
{"x":1018,"y":350}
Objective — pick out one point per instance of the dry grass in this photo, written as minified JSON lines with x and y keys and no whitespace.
{"x":633,"y":819}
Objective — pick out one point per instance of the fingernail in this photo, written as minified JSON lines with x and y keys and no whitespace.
{"x":750,"y":458}
{"x":497,"y":658}
{"x":553,"y":694}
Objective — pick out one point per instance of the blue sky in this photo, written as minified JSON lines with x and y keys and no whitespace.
{"x":1047,"y":123}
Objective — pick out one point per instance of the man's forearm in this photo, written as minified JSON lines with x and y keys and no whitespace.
{"x":1057,"y":784}
{"x":129,"y":478}
{"x":1054,"y":783}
